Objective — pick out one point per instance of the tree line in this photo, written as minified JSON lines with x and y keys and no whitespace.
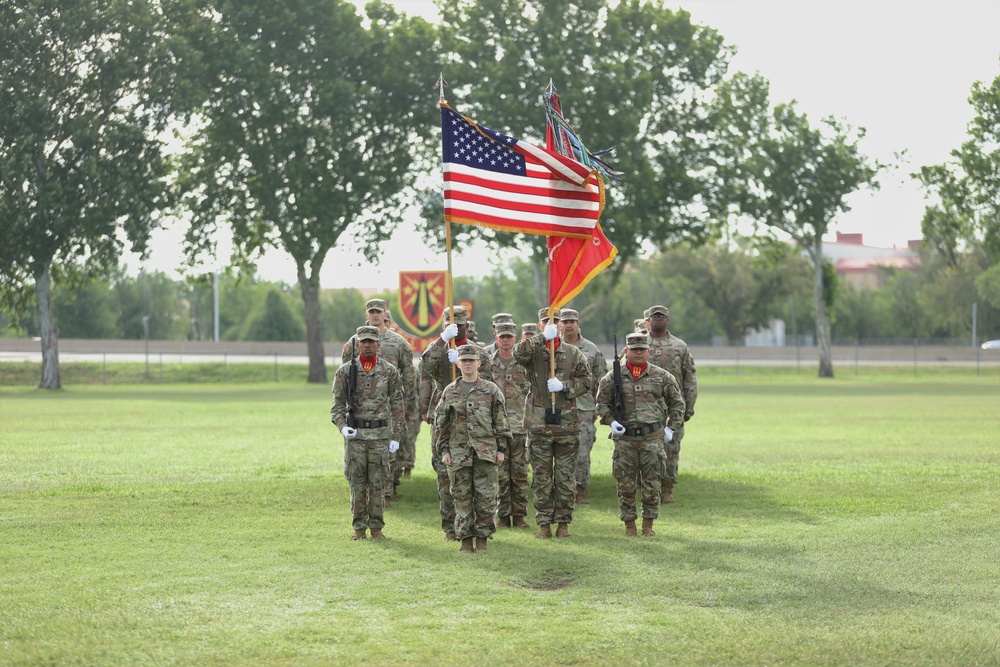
{"x":287,"y":125}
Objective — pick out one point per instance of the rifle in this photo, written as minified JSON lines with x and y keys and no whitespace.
{"x":618,"y":403}
{"x":352,"y":385}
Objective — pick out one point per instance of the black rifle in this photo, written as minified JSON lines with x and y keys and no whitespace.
{"x":352,"y":385}
{"x":616,"y":373}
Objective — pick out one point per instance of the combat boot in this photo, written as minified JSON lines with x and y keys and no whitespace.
{"x":563,"y":530}
{"x":581,"y":496}
{"x":387,"y":504}
{"x":544,"y":532}
{"x":630,"y":529}
{"x":466,"y":546}
{"x":647,"y":528}
{"x":666,"y":491}
{"x":377,"y":534}
{"x":450,"y":536}
{"x":407,"y":472}
{"x":503,"y":522}
{"x":481,"y":545}
{"x":359,"y":534}
{"x":519,"y":522}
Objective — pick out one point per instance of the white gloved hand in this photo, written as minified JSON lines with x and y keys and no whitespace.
{"x":349,"y":432}
{"x":453,"y":356}
{"x":450,"y":331}
{"x":555,"y":385}
{"x":550,"y":331}
{"x":617,"y":428}
{"x":393,"y":446}
{"x":668,"y":433}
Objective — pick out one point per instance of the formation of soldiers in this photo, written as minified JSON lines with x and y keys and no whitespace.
{"x":517,"y":406}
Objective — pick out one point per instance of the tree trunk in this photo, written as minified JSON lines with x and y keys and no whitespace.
{"x":314,"y":329}
{"x":822,"y":316}
{"x":49,"y":331}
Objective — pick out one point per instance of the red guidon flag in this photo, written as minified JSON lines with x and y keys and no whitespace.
{"x":421,"y":301}
{"x":500,"y":182}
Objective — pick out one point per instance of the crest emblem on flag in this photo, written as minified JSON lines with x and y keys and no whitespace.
{"x":421,"y":301}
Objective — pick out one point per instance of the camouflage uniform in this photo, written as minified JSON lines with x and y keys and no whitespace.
{"x":671,"y":353}
{"x":528,"y":329}
{"x":435,"y":364}
{"x":472,"y":427}
{"x":651,"y":401}
{"x":512,"y":378}
{"x":585,"y":406}
{"x":499,"y":318}
{"x":379,"y":400}
{"x":553,"y":448}
{"x":407,"y":455}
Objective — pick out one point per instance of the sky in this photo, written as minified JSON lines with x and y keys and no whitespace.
{"x":901,"y":69}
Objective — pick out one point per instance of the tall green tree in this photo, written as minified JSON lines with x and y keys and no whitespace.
{"x":307,"y":130}
{"x":83,"y":87}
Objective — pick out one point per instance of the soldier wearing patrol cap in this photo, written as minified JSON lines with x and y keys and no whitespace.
{"x":499,"y":318}
{"x":437,"y":362}
{"x":369,"y":413}
{"x":528,"y":329}
{"x":569,"y":325}
{"x":473,"y":337}
{"x":639,"y":326}
{"x":671,"y":353}
{"x":543,"y":318}
{"x":652,"y":411}
{"x":473,"y":436}
{"x":394,"y":349}
{"x":512,"y":378}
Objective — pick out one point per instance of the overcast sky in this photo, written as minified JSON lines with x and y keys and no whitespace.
{"x":902,"y":69}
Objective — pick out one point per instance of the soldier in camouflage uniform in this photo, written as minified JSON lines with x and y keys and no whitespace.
{"x":438,"y":362}
{"x":512,"y":378}
{"x":406,"y":457}
{"x":529,"y":329}
{"x":639,"y":326}
{"x":585,"y":404}
{"x":553,"y":445}
{"x":472,"y":437}
{"x":395,"y":350}
{"x":499,"y":318}
{"x":653,"y":411}
{"x":671,"y":353}
{"x":373,"y":431}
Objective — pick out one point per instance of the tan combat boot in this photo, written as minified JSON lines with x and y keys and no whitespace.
{"x":466,"y":546}
{"x":358,"y":534}
{"x":377,"y":534}
{"x":666,"y":491}
{"x":581,"y":496}
{"x":503,"y":522}
{"x":450,"y":536}
{"x":647,"y":528}
{"x":407,"y":472}
{"x":388,"y":503}
{"x":563,"y":530}
{"x":544,"y":532}
{"x":630,"y":529}
{"x":519,"y":522}
{"x":481,"y":545}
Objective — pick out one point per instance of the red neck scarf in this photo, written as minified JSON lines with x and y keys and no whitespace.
{"x":460,"y":343}
{"x":636,"y":371}
{"x":553,"y":344}
{"x":368,"y":363}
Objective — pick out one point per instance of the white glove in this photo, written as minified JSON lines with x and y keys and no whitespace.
{"x":393,"y":446}
{"x":555,"y":385}
{"x":453,"y":356}
{"x":668,"y":433}
{"x":450,"y":331}
{"x":617,"y":428}
{"x":349,"y":432}
{"x":550,"y":331}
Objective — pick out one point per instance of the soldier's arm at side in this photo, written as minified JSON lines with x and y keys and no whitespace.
{"x":690,"y":385}
{"x":598,"y":368}
{"x":396,"y":406}
{"x":605,"y":398}
{"x":338,"y":412}
{"x":675,"y":404}
{"x":442,"y":421}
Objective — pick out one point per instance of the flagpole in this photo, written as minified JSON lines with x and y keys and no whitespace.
{"x":449,"y":286}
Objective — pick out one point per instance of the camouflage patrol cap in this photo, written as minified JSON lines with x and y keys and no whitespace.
{"x":502,"y":318}
{"x":569,"y":315}
{"x":637,"y":322}
{"x":471,"y":323}
{"x":506,"y":329}
{"x":367,"y":333}
{"x":636,"y":340}
{"x":529,"y":328}
{"x":657,"y":310}
{"x":376,"y":304}
{"x":468,"y":351}
{"x":461,"y":315}
{"x":543,"y":314}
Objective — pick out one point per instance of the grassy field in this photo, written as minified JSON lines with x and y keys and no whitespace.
{"x":844,"y":522}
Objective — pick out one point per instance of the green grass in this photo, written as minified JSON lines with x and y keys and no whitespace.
{"x":843,"y":522}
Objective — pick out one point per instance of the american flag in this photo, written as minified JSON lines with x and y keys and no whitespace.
{"x":503,"y":183}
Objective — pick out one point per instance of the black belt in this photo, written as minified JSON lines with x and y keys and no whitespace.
{"x":644,"y":430}
{"x":370,"y":423}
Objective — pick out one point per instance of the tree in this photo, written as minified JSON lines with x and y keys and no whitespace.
{"x":307,"y":130}
{"x":274,"y":321}
{"x":799,"y":177}
{"x":83,"y":87}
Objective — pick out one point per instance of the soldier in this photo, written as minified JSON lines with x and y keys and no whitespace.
{"x":394,"y":349}
{"x":438,"y":362}
{"x":499,"y":318}
{"x":543,"y":318}
{"x":512,"y":379}
{"x":371,"y":421}
{"x":652,"y":412}
{"x":671,"y":353}
{"x":472,"y":437}
{"x":585,"y":403}
{"x":406,"y":457}
{"x":553,"y":430}
{"x":473,"y":336}
{"x":528,"y":329}
{"x":640,"y":326}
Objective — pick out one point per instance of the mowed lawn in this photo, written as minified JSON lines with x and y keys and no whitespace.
{"x":853,"y":521}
